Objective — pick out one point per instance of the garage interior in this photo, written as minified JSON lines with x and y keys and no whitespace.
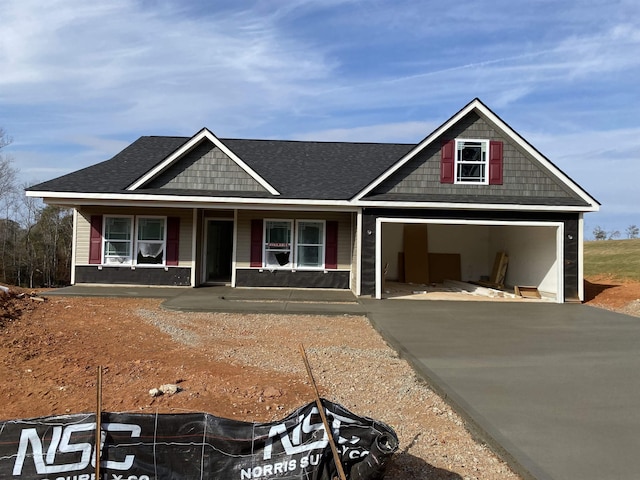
{"x":501,"y":260}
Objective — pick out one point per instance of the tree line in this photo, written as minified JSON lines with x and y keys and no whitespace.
{"x":35,"y":240}
{"x":599,"y":233}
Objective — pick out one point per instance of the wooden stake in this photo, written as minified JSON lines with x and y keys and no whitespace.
{"x":98,"y":421}
{"x":327,"y":429}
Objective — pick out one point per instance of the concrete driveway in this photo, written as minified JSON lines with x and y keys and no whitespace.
{"x":555,"y":387}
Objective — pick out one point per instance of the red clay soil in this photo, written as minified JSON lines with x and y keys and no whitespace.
{"x":49,"y":357}
{"x":50,"y":352}
{"x":612,"y":294}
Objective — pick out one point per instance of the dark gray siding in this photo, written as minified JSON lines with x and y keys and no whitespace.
{"x":289,"y":279}
{"x":172,"y":276}
{"x":206,"y":167}
{"x":523,"y":175}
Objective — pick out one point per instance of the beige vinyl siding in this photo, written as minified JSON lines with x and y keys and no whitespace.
{"x":243,"y":248}
{"x":83,"y":232}
{"x":84,"y":228}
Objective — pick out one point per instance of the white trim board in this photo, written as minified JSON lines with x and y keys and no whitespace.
{"x":559,"y":243}
{"x":71,"y":199}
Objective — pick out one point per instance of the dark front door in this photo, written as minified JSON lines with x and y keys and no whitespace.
{"x":218,"y":251}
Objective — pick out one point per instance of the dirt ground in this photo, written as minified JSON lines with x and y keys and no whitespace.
{"x":246,"y":367}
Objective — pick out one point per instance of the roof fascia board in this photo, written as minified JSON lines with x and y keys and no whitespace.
{"x":484,"y":111}
{"x":207,"y":206}
{"x":191,"y":143}
{"x":183,"y":201}
{"x":478,"y":206}
{"x":65,"y":198}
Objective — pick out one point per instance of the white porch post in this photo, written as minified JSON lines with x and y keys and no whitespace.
{"x":194,"y":246}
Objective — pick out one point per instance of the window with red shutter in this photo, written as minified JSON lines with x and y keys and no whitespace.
{"x":173,"y":240}
{"x":447,"y":161}
{"x":256,"y":243}
{"x":95,"y":240}
{"x":331,"y":247}
{"x":495,"y":163}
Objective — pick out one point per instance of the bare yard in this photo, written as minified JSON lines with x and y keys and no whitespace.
{"x":246,"y":367}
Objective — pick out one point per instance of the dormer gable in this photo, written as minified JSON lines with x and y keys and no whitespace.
{"x":475,"y":157}
{"x":203,"y":163}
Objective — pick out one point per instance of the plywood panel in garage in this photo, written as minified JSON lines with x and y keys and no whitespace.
{"x":416,"y":253}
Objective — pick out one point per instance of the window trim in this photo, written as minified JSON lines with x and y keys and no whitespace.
{"x":105,"y":240}
{"x":323,"y":244}
{"x":291,"y":264}
{"x":293,"y":260}
{"x":486,"y":143}
{"x":164,"y":240}
{"x":133,"y":248}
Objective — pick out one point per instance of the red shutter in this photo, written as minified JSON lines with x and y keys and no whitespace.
{"x":495,"y":163}
{"x":173,"y":240}
{"x":331,"y":246}
{"x":95,"y":240}
{"x":447,"y":155}
{"x":256,"y":243}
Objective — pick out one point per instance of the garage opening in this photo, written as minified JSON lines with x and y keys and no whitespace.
{"x":420,"y":255}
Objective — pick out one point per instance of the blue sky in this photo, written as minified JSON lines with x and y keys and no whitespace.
{"x":81,"y":80}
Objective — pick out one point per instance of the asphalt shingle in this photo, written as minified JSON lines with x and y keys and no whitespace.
{"x":296,"y":169}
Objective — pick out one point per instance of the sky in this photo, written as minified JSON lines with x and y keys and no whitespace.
{"x":81,"y":80}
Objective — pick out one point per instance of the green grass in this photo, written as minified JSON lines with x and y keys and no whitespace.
{"x":618,"y":258}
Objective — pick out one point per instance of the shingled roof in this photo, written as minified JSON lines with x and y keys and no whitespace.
{"x":296,"y":169}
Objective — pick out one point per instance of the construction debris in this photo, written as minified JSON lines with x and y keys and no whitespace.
{"x":13,"y":301}
{"x":479,"y":289}
{"x":527,"y":292}
{"x":166,"y":389}
{"x":170,"y":388}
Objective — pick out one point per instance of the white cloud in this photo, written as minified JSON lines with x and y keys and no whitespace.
{"x":82,"y":79}
{"x":145,"y":65}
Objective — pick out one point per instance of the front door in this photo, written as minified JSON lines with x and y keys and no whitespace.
{"x":218,"y":251}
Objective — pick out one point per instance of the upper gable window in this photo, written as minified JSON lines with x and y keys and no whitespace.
{"x":471,"y":161}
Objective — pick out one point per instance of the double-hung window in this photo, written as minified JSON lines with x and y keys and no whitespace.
{"x":122,"y":247}
{"x":118,"y":240}
{"x":150,"y":241}
{"x":471,"y":161}
{"x":286,"y":247}
{"x":310,"y":244}
{"x":277,"y":247}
